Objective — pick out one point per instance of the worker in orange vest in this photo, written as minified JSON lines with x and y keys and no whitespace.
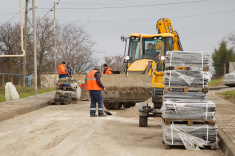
{"x":63,"y":72}
{"x":94,"y":86}
{"x":107,"y":70}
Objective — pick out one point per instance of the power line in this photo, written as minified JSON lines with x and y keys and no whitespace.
{"x":12,"y":17}
{"x":137,"y":6}
{"x":110,"y":21}
{"x":48,"y":12}
{"x":15,"y":14}
{"x":7,"y":14}
{"x":74,"y":3}
{"x":206,"y":14}
{"x":44,"y":1}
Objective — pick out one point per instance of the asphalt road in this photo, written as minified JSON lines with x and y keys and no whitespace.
{"x":69,"y":130}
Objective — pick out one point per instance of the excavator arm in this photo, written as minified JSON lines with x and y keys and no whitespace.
{"x":164,"y":26}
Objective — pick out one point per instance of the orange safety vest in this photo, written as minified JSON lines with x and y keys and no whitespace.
{"x":91,"y":81}
{"x":62,"y":69}
{"x":108,"y":71}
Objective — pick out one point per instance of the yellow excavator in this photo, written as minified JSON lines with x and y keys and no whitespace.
{"x":142,"y":75}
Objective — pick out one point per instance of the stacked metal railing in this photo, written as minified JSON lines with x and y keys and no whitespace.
{"x":188,"y":117}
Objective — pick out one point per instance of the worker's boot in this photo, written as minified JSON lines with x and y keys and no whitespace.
{"x":93,"y":115}
{"x":103,"y":115}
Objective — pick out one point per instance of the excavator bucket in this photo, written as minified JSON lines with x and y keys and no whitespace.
{"x":126,"y":90}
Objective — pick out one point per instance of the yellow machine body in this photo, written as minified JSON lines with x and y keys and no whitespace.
{"x":164,"y":26}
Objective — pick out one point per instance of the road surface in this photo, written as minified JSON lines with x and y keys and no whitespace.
{"x":68,"y":130}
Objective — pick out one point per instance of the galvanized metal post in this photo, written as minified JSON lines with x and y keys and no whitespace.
{"x":20,"y":80}
{"x":3,"y":80}
{"x":224,"y":68}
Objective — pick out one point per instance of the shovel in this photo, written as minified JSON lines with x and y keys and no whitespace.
{"x":107,"y":112}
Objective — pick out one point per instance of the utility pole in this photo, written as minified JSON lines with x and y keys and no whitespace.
{"x":55,"y":38}
{"x":25,"y":41}
{"x":34,"y":50}
{"x":55,"y":42}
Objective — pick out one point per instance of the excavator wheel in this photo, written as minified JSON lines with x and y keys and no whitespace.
{"x":128,"y":105}
{"x":132,"y":104}
{"x":112,"y":106}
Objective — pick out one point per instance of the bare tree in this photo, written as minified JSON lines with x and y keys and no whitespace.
{"x":114,"y":62}
{"x":75,"y":46}
{"x":45,"y":38}
{"x":10,"y":45}
{"x":231,"y":38}
{"x":45,"y":44}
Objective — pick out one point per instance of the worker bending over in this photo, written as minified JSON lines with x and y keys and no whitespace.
{"x":94,"y":86}
{"x":107,"y":70}
{"x":70,"y":70}
{"x":63,"y":72}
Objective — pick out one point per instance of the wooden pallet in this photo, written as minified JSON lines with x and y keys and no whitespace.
{"x":189,"y":122}
{"x":185,"y":89}
{"x":185,"y":68}
{"x":63,"y":88}
{"x":62,"y":103}
{"x":75,"y":101}
{"x":212,"y":146}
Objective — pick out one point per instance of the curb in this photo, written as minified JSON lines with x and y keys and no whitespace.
{"x":225,"y":144}
{"x":217,"y":88}
{"x":21,"y":111}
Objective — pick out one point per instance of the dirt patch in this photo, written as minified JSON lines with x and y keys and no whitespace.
{"x":229,"y":98}
{"x":131,"y":112}
{"x":216,"y":82}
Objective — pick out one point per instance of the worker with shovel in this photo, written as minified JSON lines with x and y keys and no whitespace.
{"x":94,"y":86}
{"x":70,"y":69}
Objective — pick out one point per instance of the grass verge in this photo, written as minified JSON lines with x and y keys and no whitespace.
{"x":216,"y":82}
{"x":229,"y":96}
{"x":24,"y":92}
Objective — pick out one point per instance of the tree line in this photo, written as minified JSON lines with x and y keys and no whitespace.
{"x":223,"y":55}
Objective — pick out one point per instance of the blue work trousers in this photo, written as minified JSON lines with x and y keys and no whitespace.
{"x":96,"y":97}
{"x":63,"y":75}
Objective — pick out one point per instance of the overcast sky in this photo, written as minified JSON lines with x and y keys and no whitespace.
{"x":201,"y":24}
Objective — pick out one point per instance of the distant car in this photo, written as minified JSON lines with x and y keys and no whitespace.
{"x":229,"y":79}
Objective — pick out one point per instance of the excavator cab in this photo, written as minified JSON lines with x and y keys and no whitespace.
{"x":149,"y":47}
